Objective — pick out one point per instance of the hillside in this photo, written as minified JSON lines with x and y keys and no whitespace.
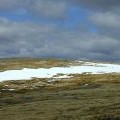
{"x":68,"y":90}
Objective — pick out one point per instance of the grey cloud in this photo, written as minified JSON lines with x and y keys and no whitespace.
{"x":40,"y":40}
{"x":108,"y":23}
{"x":106,"y":19}
{"x":99,"y":4}
{"x":35,"y":40}
{"x":48,"y":8}
{"x":57,"y":8}
{"x":8,"y":4}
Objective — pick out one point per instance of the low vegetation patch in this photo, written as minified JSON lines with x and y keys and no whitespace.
{"x":20,"y":63}
{"x":80,"y":97}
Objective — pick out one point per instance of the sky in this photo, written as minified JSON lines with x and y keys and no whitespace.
{"x":72,"y":29}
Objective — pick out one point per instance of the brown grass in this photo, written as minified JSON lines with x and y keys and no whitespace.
{"x":82,"y":97}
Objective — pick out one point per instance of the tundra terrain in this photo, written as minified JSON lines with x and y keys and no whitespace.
{"x":78,"y":97}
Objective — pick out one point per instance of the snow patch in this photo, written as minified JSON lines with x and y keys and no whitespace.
{"x":86,"y":67}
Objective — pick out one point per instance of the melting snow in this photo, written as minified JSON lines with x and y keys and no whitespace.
{"x":86,"y":67}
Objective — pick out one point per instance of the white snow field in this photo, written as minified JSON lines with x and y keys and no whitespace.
{"x":86,"y":67}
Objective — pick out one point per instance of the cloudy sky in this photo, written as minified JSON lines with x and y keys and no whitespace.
{"x":77,"y":29}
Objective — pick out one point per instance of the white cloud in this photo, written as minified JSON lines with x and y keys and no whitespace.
{"x":106,"y":19}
